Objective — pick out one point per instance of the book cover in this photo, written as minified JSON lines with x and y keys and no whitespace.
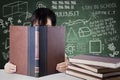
{"x":96,"y":69}
{"x":22,"y":49}
{"x":52,"y":45}
{"x":100,"y":75}
{"x":96,"y":60}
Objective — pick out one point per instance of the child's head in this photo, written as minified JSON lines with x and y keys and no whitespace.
{"x":43,"y":16}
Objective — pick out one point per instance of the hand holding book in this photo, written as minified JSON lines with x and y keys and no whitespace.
{"x":62,"y":67}
{"x":10,"y":68}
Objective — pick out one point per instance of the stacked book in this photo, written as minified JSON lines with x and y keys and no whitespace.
{"x":91,"y":67}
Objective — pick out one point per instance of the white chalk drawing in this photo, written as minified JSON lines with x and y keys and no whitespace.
{"x":84,"y":32}
{"x":6,"y":43}
{"x":28,"y":15}
{"x":5,"y":55}
{"x":40,"y":4}
{"x":6,"y":23}
{"x":70,"y":23}
{"x":10,"y":12}
{"x":71,"y":35}
{"x":26,"y":23}
{"x":2,"y":23}
{"x":70,"y":48}
{"x":15,"y":8}
{"x":112,"y":48}
{"x":95,"y":46}
{"x":10,"y":19}
{"x":5,"y":31}
{"x":19,"y":21}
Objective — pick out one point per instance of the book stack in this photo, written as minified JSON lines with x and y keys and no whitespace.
{"x":91,"y":67}
{"x":36,"y":50}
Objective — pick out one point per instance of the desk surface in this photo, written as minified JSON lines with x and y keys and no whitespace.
{"x":58,"y":76}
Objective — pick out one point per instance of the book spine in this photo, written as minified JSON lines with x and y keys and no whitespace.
{"x":36,"y":51}
{"x":43,"y":49}
{"x":31,"y":51}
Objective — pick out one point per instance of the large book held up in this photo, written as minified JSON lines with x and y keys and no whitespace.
{"x":36,"y":50}
{"x":96,"y":60}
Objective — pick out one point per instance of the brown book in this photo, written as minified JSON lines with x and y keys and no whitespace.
{"x":22,"y":49}
{"x":96,"y":60}
{"x":36,"y":51}
{"x":89,"y":77}
{"x":52,"y":45}
{"x":96,"y":69}
{"x":81,"y":75}
{"x":86,"y":71}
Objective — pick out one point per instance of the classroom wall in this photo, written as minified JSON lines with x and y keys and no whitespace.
{"x":92,"y":26}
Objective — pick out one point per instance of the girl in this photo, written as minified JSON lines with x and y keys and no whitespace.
{"x":40,"y":17}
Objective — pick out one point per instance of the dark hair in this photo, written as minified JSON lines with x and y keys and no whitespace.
{"x":41,"y":14}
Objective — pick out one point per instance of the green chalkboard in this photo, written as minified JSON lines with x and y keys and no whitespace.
{"x":92,"y":26}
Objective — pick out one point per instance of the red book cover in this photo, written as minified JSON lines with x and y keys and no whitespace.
{"x":19,"y":48}
{"x":22,"y":49}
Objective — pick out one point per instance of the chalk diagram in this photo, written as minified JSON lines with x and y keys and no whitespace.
{"x":73,"y":36}
{"x":40,"y":4}
{"x":84,"y":32}
{"x":12,"y":12}
{"x":15,"y":8}
{"x":19,"y":8}
{"x":95,"y":46}
{"x":70,"y":48}
{"x":79,"y":21}
{"x":112,"y":48}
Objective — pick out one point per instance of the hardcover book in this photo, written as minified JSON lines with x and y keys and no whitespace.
{"x":37,"y":50}
{"x":96,"y":60}
{"x":96,"y":69}
{"x":81,"y":75}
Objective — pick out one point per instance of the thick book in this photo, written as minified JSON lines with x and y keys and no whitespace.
{"x":89,"y":77}
{"x":96,"y":69}
{"x":100,"y":75}
{"x":96,"y":60}
{"x":81,"y":75}
{"x":36,"y":51}
{"x":52,"y":45}
{"x":22,"y":49}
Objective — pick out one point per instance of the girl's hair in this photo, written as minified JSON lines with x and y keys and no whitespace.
{"x":41,"y":15}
